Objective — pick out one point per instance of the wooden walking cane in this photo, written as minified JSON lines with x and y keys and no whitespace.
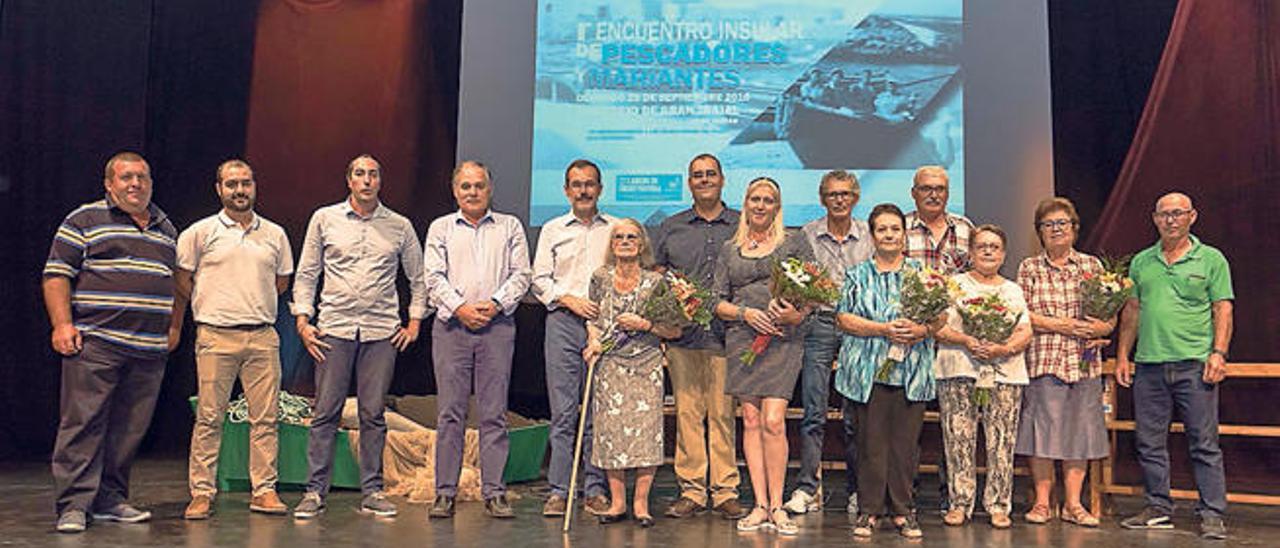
{"x":577,"y":449}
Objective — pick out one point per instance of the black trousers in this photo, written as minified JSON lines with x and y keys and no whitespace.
{"x":888,"y":440}
{"x":107,"y":397}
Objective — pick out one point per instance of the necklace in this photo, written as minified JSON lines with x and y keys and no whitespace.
{"x":754,"y":243}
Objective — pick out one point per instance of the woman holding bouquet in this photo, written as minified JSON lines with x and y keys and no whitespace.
{"x":1062,"y":415}
{"x":972,"y":370}
{"x":888,"y":409}
{"x":627,"y":390}
{"x":741,"y":282}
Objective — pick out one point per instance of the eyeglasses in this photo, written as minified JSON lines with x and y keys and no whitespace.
{"x":621,"y":237}
{"x":1056,"y":224}
{"x":1171,"y":214}
{"x":839,"y":194}
{"x":936,"y":190}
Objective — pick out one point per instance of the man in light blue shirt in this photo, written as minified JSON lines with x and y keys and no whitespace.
{"x":356,"y":245}
{"x":477,"y":266}
{"x":839,"y":241}
{"x":570,"y":248}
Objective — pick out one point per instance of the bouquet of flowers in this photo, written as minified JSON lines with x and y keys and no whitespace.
{"x":988,"y":319}
{"x":924,"y":295}
{"x":678,"y":301}
{"x":800,"y":283}
{"x":1102,"y":296}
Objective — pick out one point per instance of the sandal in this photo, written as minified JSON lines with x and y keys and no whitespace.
{"x":1079,"y":516}
{"x":759,"y":517}
{"x":865,"y":526}
{"x":782,"y":523}
{"x":1039,"y":514}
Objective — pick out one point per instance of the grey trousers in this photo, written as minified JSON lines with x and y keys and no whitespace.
{"x":464,"y":358}
{"x":566,"y":336}
{"x":373,"y":363}
{"x":107,"y":397}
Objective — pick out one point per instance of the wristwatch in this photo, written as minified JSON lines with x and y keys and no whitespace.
{"x":1219,"y":352}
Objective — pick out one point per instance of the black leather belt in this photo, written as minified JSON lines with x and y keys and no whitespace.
{"x":240,"y":327}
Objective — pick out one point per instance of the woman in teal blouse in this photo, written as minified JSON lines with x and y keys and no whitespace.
{"x":889,"y":413}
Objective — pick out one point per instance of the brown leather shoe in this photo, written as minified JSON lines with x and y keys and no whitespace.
{"x":268,"y":503}
{"x":684,"y":508}
{"x":201,"y":507}
{"x":731,"y":509}
{"x":596,"y":505}
{"x":555,"y":506}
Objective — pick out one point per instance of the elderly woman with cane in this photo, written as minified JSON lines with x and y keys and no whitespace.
{"x":626,"y":365}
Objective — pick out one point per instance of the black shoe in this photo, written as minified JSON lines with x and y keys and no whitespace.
{"x":443,"y":507}
{"x":644,"y":522}
{"x":497,"y":507}
{"x":1212,"y":528}
{"x":606,"y":519}
{"x":1149,"y":518}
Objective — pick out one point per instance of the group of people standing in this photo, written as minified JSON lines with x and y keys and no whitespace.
{"x":119,"y":278}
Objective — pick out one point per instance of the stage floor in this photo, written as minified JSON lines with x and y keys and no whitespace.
{"x":160,"y":486}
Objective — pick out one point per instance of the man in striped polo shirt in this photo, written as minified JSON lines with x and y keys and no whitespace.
{"x":108,"y":288}
{"x":232,"y":266}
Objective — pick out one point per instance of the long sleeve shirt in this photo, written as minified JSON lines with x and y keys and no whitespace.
{"x":569,"y":251}
{"x":358,"y":258}
{"x":473,"y":263}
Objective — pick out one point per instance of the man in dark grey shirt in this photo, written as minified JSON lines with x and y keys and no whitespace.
{"x":690,"y":242}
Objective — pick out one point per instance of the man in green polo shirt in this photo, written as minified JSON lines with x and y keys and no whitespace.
{"x":1180,"y":314}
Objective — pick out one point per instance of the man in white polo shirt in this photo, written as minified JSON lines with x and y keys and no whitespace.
{"x":233,"y":266}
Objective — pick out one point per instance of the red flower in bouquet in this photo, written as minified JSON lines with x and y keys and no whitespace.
{"x":800,"y":283}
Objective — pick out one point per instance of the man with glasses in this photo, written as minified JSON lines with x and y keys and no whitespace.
{"x":570,"y":248}
{"x":1181,"y":316}
{"x":839,"y":241}
{"x":939,"y":240}
{"x":690,"y":242}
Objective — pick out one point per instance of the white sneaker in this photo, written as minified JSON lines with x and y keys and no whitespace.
{"x":852,"y":507}
{"x":802,"y":503}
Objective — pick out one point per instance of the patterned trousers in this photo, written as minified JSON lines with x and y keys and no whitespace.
{"x":960,"y":419}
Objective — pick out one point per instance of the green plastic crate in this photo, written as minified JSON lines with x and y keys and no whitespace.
{"x":524,"y":461}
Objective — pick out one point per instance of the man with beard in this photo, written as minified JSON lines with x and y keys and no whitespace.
{"x":356,"y":244}
{"x":233,"y":265}
{"x":570,"y":248}
{"x":108,"y":289}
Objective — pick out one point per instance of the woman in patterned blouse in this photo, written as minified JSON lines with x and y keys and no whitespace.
{"x":1062,"y":415}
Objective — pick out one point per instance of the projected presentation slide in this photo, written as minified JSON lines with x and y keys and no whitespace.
{"x":783,"y":88}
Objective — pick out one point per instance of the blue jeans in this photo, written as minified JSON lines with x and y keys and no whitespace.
{"x":1157,"y":389}
{"x":821,"y":345}
{"x":566,"y":336}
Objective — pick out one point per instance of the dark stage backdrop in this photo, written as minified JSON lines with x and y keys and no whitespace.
{"x":301,"y":86}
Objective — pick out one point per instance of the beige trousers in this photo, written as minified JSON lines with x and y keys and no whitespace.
{"x":705,"y":426}
{"x":222,"y":356}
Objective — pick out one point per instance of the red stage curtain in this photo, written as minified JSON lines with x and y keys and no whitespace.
{"x":1210,"y":130}
{"x":336,"y":78}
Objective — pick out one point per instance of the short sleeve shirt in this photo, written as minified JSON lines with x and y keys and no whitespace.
{"x":1176,"y":301}
{"x":954,"y":361}
{"x":1054,"y":291}
{"x":235,"y":269}
{"x":691,"y":244}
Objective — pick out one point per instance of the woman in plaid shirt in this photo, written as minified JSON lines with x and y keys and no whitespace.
{"x":1062,"y":415}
